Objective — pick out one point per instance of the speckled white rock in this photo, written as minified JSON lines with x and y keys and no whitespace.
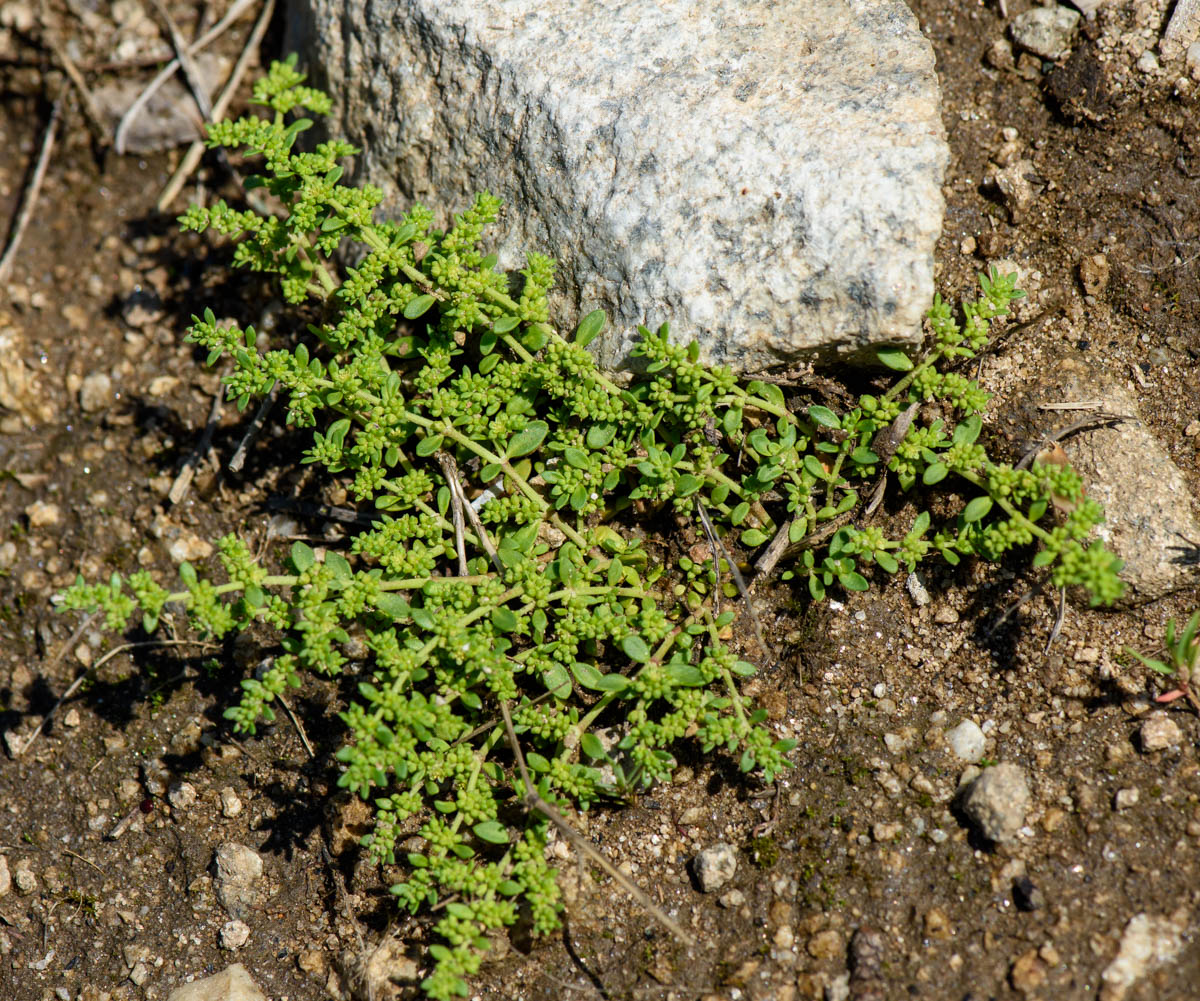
{"x":766,"y":179}
{"x":233,"y":983}
{"x":1148,"y":942}
{"x":998,"y":800}
{"x":1045,"y":31}
{"x":1158,"y":733}
{"x":966,"y":741}
{"x":715,"y":866}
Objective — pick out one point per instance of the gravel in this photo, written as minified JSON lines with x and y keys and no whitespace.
{"x":997,"y":801}
{"x":715,"y":866}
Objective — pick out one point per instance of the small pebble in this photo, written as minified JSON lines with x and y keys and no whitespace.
{"x":966,"y":741}
{"x":715,"y":866}
{"x":43,"y":515}
{"x":5,"y":877}
{"x":23,"y":878}
{"x":997,"y":801}
{"x":1126,"y":798}
{"x":937,"y":925}
{"x":826,"y":944}
{"x":139,"y":974}
{"x":887,"y":830}
{"x":1159,"y":732}
{"x":96,"y":392}
{"x":916,"y":587}
{"x":71,"y":719}
{"x":732,"y":898}
{"x":1045,"y":31}
{"x":231,"y":806}
{"x":1027,"y":895}
{"x":234,"y":934}
{"x":181,"y":796}
{"x":1148,"y":62}
{"x":1028,"y":972}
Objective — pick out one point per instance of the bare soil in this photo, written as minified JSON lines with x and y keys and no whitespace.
{"x":863,"y":836}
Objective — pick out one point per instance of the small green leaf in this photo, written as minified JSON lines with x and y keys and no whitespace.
{"x":302,"y":557}
{"x":504,"y":619}
{"x":577,"y":457}
{"x":429,"y":445}
{"x":589,"y":327}
{"x":895,"y":359}
{"x":506,"y":323}
{"x":977,"y":509}
{"x":635,"y":648}
{"x":934,"y":473}
{"x":339,"y":565}
{"x":586,"y":675}
{"x":753,"y":538}
{"x":590,"y":744}
{"x":853,"y":581}
{"x":687,"y":485}
{"x":887,"y":561}
{"x":738,"y":514}
{"x":600,"y":435}
{"x":557,"y":681}
{"x":418,"y":306}
{"x":491,"y":831}
{"x":824,"y":416}
{"x":528,"y":440}
{"x":813,"y":466}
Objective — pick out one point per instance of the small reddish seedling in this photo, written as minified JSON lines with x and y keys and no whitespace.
{"x":1183,"y":651}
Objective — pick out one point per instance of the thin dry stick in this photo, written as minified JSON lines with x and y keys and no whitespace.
{"x":91,"y":671}
{"x":1058,"y":621}
{"x":196,"y":150}
{"x":183,"y":481}
{"x":737,"y":577}
{"x":533,"y":801}
{"x":252,"y":432}
{"x":296,"y":723}
{"x":31,"y":193}
{"x":183,"y":54}
{"x":90,"y":112}
{"x":457,"y":503}
{"x":135,"y":109}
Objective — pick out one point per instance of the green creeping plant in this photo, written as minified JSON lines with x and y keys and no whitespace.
{"x":509,"y":474}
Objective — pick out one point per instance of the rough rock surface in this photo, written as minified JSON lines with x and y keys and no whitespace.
{"x":998,"y":800}
{"x":769,"y":182}
{"x":1149,"y":517}
{"x":233,"y":983}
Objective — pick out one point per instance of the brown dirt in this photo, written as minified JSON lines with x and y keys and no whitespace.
{"x":1115,"y":153}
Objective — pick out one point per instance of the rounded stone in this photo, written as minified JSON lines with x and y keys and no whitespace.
{"x":966,"y":741}
{"x":715,"y":866}
{"x":997,"y":801}
{"x":1158,"y":733}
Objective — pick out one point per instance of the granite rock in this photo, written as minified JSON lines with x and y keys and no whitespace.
{"x":233,"y":983}
{"x":767,"y":181}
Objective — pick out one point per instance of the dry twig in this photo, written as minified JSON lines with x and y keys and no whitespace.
{"x":533,"y":801}
{"x":235,"y":11}
{"x":31,"y":193}
{"x":192,"y":158}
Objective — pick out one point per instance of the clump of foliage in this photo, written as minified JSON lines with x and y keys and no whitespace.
{"x":507,"y":472}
